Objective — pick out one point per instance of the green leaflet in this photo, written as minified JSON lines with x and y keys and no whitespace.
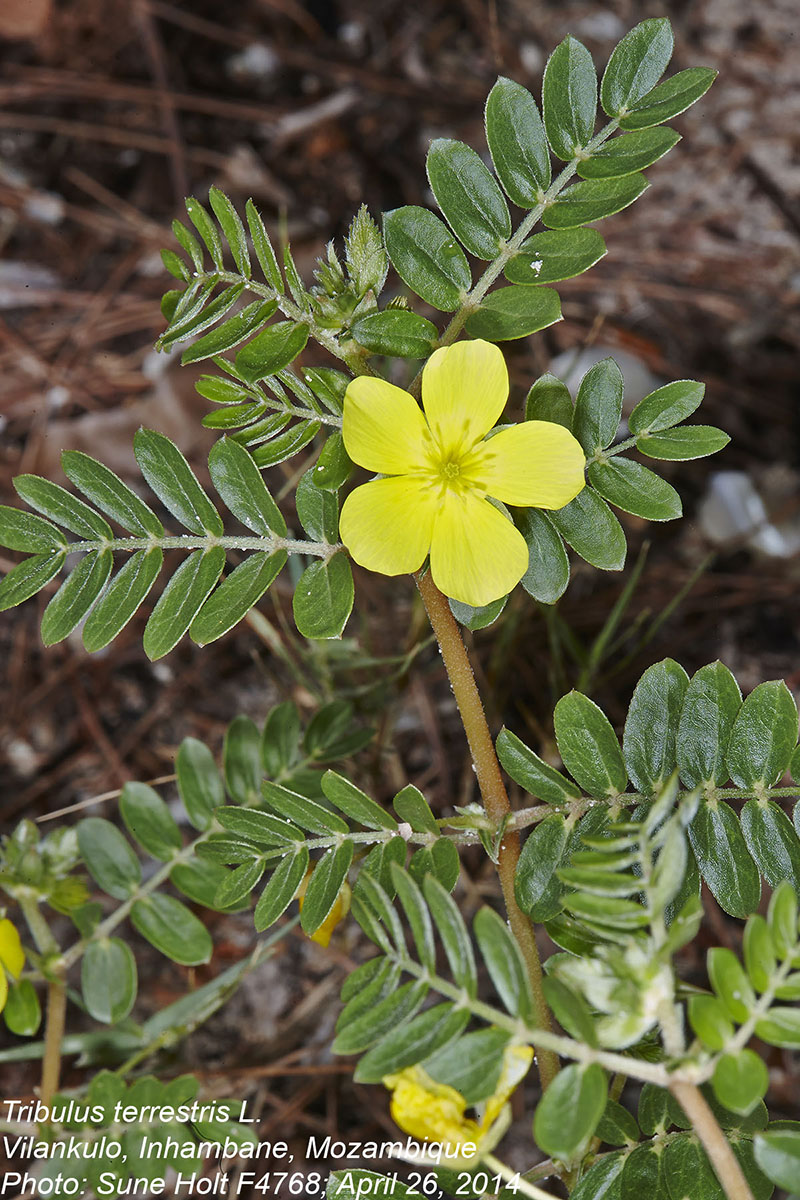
{"x":109,"y":858}
{"x":231,"y":226}
{"x":231,"y":332}
{"x":555,"y":254}
{"x":630,"y":486}
{"x":777,"y":1153}
{"x":229,"y":603}
{"x":687,"y":442}
{"x":173,"y":481}
{"x":122,"y":598}
{"x":108,"y":980}
{"x":593,"y":199}
{"x":724,"y":859}
{"x":173,"y":929}
{"x":636,"y":65}
{"x":669,"y":99}
{"x":62,"y":507}
{"x":397,"y":332}
{"x":75,"y":597}
{"x":547,"y":575}
{"x":149,"y":821}
{"x":629,"y":153}
{"x":710,"y":707}
{"x":328,"y":876}
{"x":504,"y":962}
{"x":568,"y":1112}
{"x":549,"y":400}
{"x":28,"y":578}
{"x":651,"y":725}
{"x":426,"y":256}
{"x":239,"y":483}
{"x":21,"y":530}
{"x":323,"y":598}
{"x":588,"y":525}
{"x":588,"y":746}
{"x":763,"y":737}
{"x":569,"y":98}
{"x":532,"y":773}
{"x":666,"y":406}
{"x":740,"y":1081}
{"x":514,"y":312}
{"x":598,"y":406}
{"x":199,"y":782}
{"x":772,"y":841}
{"x":108,"y":492}
{"x":541,"y":855}
{"x":271,"y":350}
{"x":469,"y":196}
{"x":517,"y":142}
{"x":281,"y":888}
{"x":181,"y":600}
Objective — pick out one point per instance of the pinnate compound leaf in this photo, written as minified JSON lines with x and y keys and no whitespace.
{"x":569,"y":98}
{"x":241,"y":486}
{"x":568,"y":1113}
{"x":629,"y":153}
{"x":199,"y":782}
{"x":271,"y":350}
{"x":669,"y":99}
{"x":773,"y":842}
{"x":396,"y":332}
{"x":173,"y":481}
{"x":181,"y":600}
{"x":469,"y":196}
{"x":504,"y":962}
{"x":710,"y":708}
{"x":109,"y":857}
{"x":763,"y":737}
{"x":323,"y":598}
{"x":514,"y":312}
{"x":108,"y":980}
{"x":636,"y":65}
{"x":652,"y":723}
{"x":547,"y":575}
{"x":593,"y":199}
{"x":230,"y":602}
{"x":589,"y":747}
{"x":740,"y":1081}
{"x":628,"y":485}
{"x":149,"y":821}
{"x":517,"y":142}
{"x":588,"y":525}
{"x":173,"y":929}
{"x":777,"y":1153}
{"x":687,"y":442}
{"x":109,"y":493}
{"x":122,"y":598}
{"x":426,"y":256}
{"x":724,"y":860}
{"x":75,"y":597}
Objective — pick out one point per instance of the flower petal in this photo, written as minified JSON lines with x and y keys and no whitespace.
{"x":464,"y":391}
{"x":387,"y":524}
{"x":12,"y":956}
{"x":477,"y":555}
{"x":383,"y":427}
{"x":537,"y":464}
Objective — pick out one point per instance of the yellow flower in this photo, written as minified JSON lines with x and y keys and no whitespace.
{"x":340,"y":909}
{"x":442,"y":468}
{"x":435,"y":1112}
{"x":12,"y":957}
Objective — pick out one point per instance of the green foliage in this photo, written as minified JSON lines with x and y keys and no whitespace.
{"x":194,"y":600}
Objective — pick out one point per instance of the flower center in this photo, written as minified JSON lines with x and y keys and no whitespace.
{"x":450,"y":470}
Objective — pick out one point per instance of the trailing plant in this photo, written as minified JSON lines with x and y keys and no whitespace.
{"x":610,"y":856}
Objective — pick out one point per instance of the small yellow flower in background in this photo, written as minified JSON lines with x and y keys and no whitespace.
{"x":12,"y":957}
{"x":442,"y":468}
{"x":434,"y":1112}
{"x":340,"y":909}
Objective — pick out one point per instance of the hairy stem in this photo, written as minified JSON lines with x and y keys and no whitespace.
{"x":493,"y":793}
{"x":713,"y":1140}
{"x":54,"y":1036}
